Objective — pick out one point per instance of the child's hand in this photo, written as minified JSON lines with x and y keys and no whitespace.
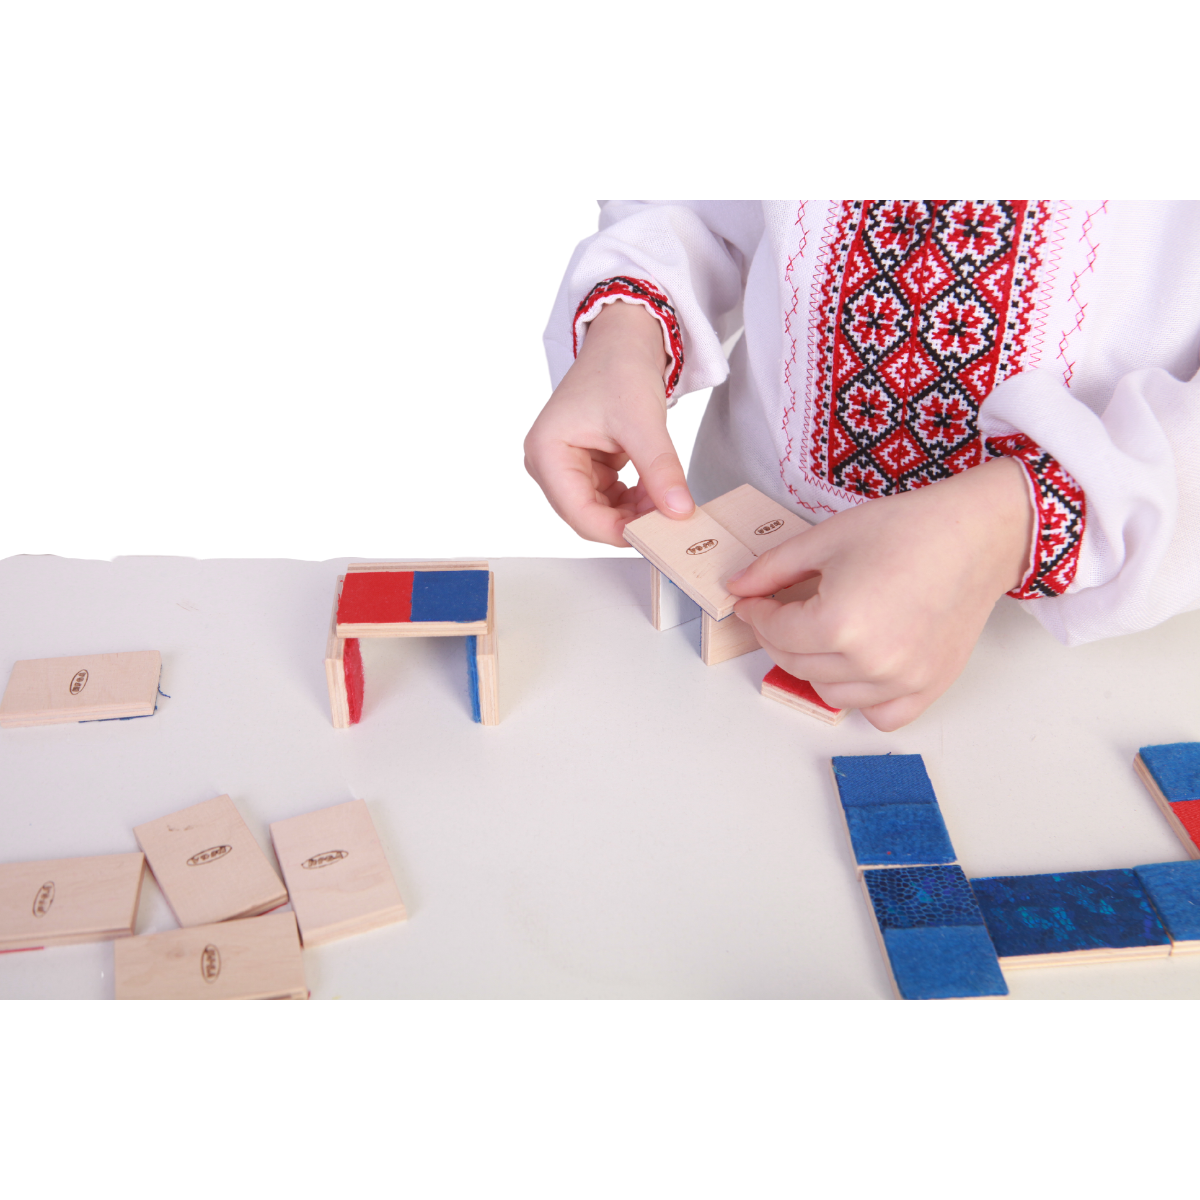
{"x":906,"y":584}
{"x":610,"y":409}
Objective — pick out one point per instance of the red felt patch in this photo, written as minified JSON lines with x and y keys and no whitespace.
{"x":778,"y":677}
{"x":1188,"y":812}
{"x":352,"y":664}
{"x":376,"y":598}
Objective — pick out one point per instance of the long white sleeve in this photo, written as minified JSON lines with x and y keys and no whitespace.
{"x":696,"y":254}
{"x":1138,"y":464}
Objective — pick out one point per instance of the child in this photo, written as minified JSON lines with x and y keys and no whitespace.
{"x":968,"y":398}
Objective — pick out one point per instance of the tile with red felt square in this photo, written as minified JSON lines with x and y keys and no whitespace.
{"x":376,"y":598}
{"x":801,"y":688}
{"x":1188,"y":814}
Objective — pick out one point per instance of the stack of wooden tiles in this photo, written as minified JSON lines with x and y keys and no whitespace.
{"x":1171,"y":774}
{"x":932,"y":932}
{"x":390,"y":600}
{"x":85,"y":687}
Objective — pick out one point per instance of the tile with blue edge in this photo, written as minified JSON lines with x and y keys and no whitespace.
{"x":921,"y":897}
{"x":1067,"y":912}
{"x":1175,"y":768}
{"x":450,"y":596}
{"x":944,"y":963}
{"x":473,"y":678}
{"x":882,"y":779}
{"x":1174,"y":890}
{"x":898,"y":833}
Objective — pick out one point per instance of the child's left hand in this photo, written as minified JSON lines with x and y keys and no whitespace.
{"x":906,"y":585}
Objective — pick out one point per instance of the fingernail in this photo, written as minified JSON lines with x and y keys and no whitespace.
{"x":738,"y":574}
{"x":678,"y":500}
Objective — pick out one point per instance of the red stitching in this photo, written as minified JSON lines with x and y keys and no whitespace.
{"x":1088,"y":267}
{"x":646,"y":294}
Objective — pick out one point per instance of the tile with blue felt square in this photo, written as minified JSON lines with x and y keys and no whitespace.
{"x":882,"y":779}
{"x":1066,"y":912}
{"x":450,"y":596}
{"x":944,"y":962}
{"x":921,"y":897}
{"x":1175,"y":768}
{"x":883,"y":834}
{"x":1174,"y":890}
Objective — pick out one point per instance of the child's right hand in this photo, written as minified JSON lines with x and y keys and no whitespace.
{"x":610,"y":409}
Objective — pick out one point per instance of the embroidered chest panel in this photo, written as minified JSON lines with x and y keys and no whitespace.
{"x":918,"y":310}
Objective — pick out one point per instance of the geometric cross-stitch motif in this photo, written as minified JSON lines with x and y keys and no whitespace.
{"x":1069,"y":911}
{"x":922,"y":897}
{"x":1175,"y":768}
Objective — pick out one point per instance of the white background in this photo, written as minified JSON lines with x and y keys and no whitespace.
{"x":272,"y":283}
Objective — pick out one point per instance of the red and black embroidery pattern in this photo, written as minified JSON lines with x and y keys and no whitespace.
{"x":645,"y":293}
{"x":1061,"y":513}
{"x":919,"y":309}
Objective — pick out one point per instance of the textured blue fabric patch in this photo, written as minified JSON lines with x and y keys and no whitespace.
{"x":882,"y":779}
{"x":941,"y":963}
{"x":1174,"y":890}
{"x":1176,"y":769}
{"x":921,"y":897}
{"x":450,"y":596}
{"x":898,"y":833}
{"x":1078,"y":910}
{"x":473,"y":677}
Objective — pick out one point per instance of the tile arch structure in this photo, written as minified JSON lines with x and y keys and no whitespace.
{"x":411,"y":599}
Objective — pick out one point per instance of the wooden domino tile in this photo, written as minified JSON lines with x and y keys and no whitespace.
{"x":1070,"y":917}
{"x":799,"y":694}
{"x":336,"y":873}
{"x":1174,"y":890}
{"x":723,"y":640}
{"x":66,"y":900}
{"x":483,"y":672}
{"x":343,"y":674}
{"x":258,"y":958}
{"x":208,"y":865}
{"x":83,"y":687}
{"x":1171,"y":774}
{"x":446,"y":602}
{"x":757,"y":521}
{"x":669,"y":607}
{"x":697,"y":554}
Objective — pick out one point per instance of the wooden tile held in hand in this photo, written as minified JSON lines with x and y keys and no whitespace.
{"x":698,"y":555}
{"x":336,"y":873}
{"x":82,"y":687}
{"x":258,"y":958}
{"x":65,"y":900}
{"x":757,"y":521}
{"x":208,"y":865}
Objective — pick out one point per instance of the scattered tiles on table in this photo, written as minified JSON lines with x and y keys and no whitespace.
{"x":1037,"y":919}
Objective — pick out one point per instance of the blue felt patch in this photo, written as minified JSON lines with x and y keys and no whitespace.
{"x":1174,"y":890}
{"x":882,"y":779}
{"x":942,"y":963}
{"x":1176,"y":769}
{"x":898,"y":833}
{"x":921,"y":897}
{"x":1078,"y":910}
{"x":450,"y":596}
{"x":473,"y":678}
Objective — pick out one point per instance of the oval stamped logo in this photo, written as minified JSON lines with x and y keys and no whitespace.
{"x":324,"y":860}
{"x":769,"y":527}
{"x":78,"y":682}
{"x":210,"y":963}
{"x":209,"y":855}
{"x":702,"y":547}
{"x":43,"y":899}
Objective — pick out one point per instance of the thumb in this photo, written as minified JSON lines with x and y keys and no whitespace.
{"x":788,"y":563}
{"x":652,"y":453}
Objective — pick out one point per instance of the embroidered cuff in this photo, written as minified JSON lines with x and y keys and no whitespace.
{"x":636,"y":291}
{"x":1061,"y":516}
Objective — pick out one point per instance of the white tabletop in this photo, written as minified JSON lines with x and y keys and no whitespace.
{"x":637,"y":825}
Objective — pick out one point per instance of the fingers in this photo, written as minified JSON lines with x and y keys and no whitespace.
{"x":659,"y":470}
{"x":794,"y":625}
{"x":893,"y":714}
{"x":798,"y":558}
{"x":587,"y":496}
